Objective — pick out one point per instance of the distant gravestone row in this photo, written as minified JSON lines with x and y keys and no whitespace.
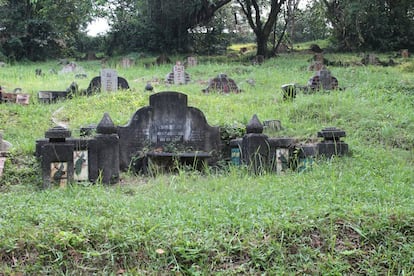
{"x":108,"y":81}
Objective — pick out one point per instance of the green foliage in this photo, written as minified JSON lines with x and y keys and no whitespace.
{"x":348,"y":215}
{"x":37,"y":30}
{"x":371,"y":25}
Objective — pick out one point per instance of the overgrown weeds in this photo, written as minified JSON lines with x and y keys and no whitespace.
{"x":348,"y":215}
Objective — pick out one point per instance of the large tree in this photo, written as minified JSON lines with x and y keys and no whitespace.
{"x":371,"y":24}
{"x":262,"y":16}
{"x":39,"y":29}
{"x":158,"y":25}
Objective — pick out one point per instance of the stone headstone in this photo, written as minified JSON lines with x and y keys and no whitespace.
{"x":70,"y":68}
{"x":191,"y":61}
{"x":323,"y":80}
{"x":178,"y":75}
{"x":127,"y":62}
{"x":168,"y":125}
{"x":95,"y":85}
{"x":109,"y":80}
{"x":22,"y":99}
{"x":404,"y":53}
{"x":222,"y":84}
{"x":273,"y":125}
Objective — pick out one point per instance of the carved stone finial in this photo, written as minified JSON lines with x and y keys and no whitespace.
{"x":254,"y":125}
{"x":106,"y":125}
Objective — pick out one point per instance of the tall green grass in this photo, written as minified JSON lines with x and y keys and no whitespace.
{"x":348,"y":215}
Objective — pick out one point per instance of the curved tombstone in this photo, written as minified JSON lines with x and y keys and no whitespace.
{"x":167,"y":127}
{"x":95,"y":85}
{"x":323,"y":80}
{"x":222,"y":84}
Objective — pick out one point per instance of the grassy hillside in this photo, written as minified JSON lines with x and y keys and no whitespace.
{"x":350,"y":215}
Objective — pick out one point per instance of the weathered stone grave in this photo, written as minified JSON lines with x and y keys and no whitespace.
{"x":107,"y":82}
{"x":163,"y":133}
{"x":4,"y":149}
{"x":259,"y":152}
{"x":222,"y":83}
{"x":165,"y":130}
{"x":54,"y":96}
{"x":332,"y":144}
{"x":191,"y":61}
{"x":318,"y":62}
{"x":71,"y":67}
{"x":405,"y":54}
{"x":15,"y":97}
{"x":127,"y":62}
{"x":178,"y":75}
{"x":65,"y":159}
{"x":323,"y":80}
{"x":262,"y":153}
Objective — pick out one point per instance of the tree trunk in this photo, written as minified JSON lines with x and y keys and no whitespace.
{"x":261,"y":41}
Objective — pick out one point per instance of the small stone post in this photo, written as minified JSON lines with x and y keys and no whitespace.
{"x":107,"y":146}
{"x":255,"y":146}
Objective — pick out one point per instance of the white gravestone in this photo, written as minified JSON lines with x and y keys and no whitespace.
{"x":109,"y":80}
{"x":179,"y":73}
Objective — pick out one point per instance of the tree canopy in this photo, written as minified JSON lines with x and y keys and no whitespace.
{"x":41,"y":29}
{"x":37,"y":29}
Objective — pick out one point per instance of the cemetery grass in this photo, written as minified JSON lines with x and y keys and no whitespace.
{"x":347,"y":215}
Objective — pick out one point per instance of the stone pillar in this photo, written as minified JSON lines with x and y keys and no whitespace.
{"x":107,"y":149}
{"x":332,"y":144}
{"x":57,"y":158}
{"x":255,"y":146}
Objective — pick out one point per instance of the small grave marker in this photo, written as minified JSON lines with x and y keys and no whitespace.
{"x":109,"y":80}
{"x":323,"y":80}
{"x":178,"y":75}
{"x":191,"y":61}
{"x":222,"y":84}
{"x":332,"y":144}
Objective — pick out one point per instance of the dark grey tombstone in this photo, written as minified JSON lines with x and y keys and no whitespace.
{"x":323,"y":80}
{"x":95,"y":85}
{"x":57,"y":158}
{"x":54,"y":96}
{"x":168,"y":125}
{"x":255,"y":146}
{"x":332,"y":144}
{"x":107,"y":146}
